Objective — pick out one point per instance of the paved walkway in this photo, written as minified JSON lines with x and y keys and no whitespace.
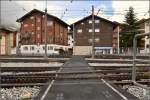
{"x":81,"y":89}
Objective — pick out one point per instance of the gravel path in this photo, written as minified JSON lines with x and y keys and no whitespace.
{"x":19,"y":93}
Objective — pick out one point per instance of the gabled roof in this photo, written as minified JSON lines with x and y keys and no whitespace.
{"x":143,"y":20}
{"x":35,"y":10}
{"x":7,"y":29}
{"x":85,"y":18}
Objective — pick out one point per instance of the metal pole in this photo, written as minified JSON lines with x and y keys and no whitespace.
{"x":134,"y":60}
{"x":18,"y":44}
{"x":45,"y":30}
{"x":149,"y":48}
{"x":134,"y":54}
{"x":118,"y":41}
{"x":93,"y":35}
{"x":73,"y":40}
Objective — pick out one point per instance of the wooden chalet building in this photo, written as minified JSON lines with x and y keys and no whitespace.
{"x":32,"y":32}
{"x":104,"y":30}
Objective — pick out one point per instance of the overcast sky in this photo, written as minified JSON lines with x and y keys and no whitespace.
{"x":71,"y":11}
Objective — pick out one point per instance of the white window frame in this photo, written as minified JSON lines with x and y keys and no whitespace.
{"x":32,"y":17}
{"x":90,"y":21}
{"x":79,"y":30}
{"x":97,"y":21}
{"x":38,"y":35}
{"x":32,"y":32}
{"x":82,"y":23}
{"x":49,"y":23}
{"x":90,"y":30}
{"x":25,"y":25}
{"x":38,"y":20}
{"x":38,"y":28}
{"x":97,"y":30}
{"x":97,"y":39}
{"x":32,"y":24}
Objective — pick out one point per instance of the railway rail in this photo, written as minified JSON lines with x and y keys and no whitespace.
{"x":52,"y":68}
{"x":41,"y":78}
{"x":105,"y":56}
{"x":126,"y":82}
{"x":33,"y":75}
{"x":61,"y":60}
{"x":33,"y":60}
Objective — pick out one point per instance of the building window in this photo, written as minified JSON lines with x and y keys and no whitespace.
{"x":43,"y":47}
{"x":25,"y":48}
{"x":32,"y":48}
{"x":90,"y":40}
{"x":90,"y":21}
{"x":50,"y":48}
{"x":61,"y":34}
{"x":25,"y":25}
{"x":32,"y":32}
{"x":32,"y":24}
{"x":31,"y":17}
{"x":38,"y":36}
{"x":90,"y":30}
{"x":97,"y":39}
{"x":49,"y":23}
{"x":147,"y":46}
{"x":96,"y":21}
{"x":79,"y":30}
{"x":38,"y":19}
{"x":97,"y":30}
{"x":38,"y":28}
{"x":82,"y":23}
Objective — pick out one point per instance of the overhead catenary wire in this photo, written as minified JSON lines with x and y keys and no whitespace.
{"x":73,"y":13}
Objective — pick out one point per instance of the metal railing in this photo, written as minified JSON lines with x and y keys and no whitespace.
{"x":135,"y":60}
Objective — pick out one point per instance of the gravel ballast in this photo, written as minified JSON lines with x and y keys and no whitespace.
{"x":19,"y":93}
{"x":139,"y":92}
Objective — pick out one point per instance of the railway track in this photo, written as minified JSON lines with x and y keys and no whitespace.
{"x":43,"y":74}
{"x":117,"y":79}
{"x":54,"y":68}
{"x":32,"y":60}
{"x":43,"y":77}
{"x":106,"y":56}
{"x":63,"y":60}
{"x":28,"y":69}
{"x":127,"y":82}
{"x":54,"y":72}
{"x":31,"y":75}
